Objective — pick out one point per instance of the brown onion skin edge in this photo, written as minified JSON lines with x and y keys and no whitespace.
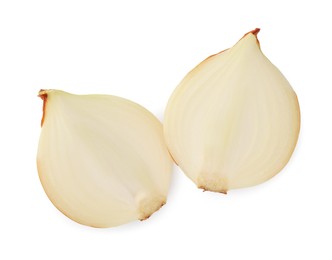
{"x":254,"y":32}
{"x":43,"y":95}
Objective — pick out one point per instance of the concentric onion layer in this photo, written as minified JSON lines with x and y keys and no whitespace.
{"x":234,"y":120}
{"x":102,"y":159}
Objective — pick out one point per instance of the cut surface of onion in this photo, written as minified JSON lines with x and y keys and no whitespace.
{"x":234,"y":120}
{"x":102,"y":159}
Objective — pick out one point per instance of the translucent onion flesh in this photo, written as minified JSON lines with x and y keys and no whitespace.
{"x":102,"y":159}
{"x":234,"y":120}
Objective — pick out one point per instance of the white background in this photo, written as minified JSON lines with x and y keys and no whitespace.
{"x":140,"y":50}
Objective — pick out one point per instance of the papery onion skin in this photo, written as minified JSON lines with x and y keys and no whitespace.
{"x":234,"y":120}
{"x":102,"y":159}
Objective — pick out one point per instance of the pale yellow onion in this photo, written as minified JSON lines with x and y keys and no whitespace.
{"x":234,"y":120}
{"x":102,"y":159}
